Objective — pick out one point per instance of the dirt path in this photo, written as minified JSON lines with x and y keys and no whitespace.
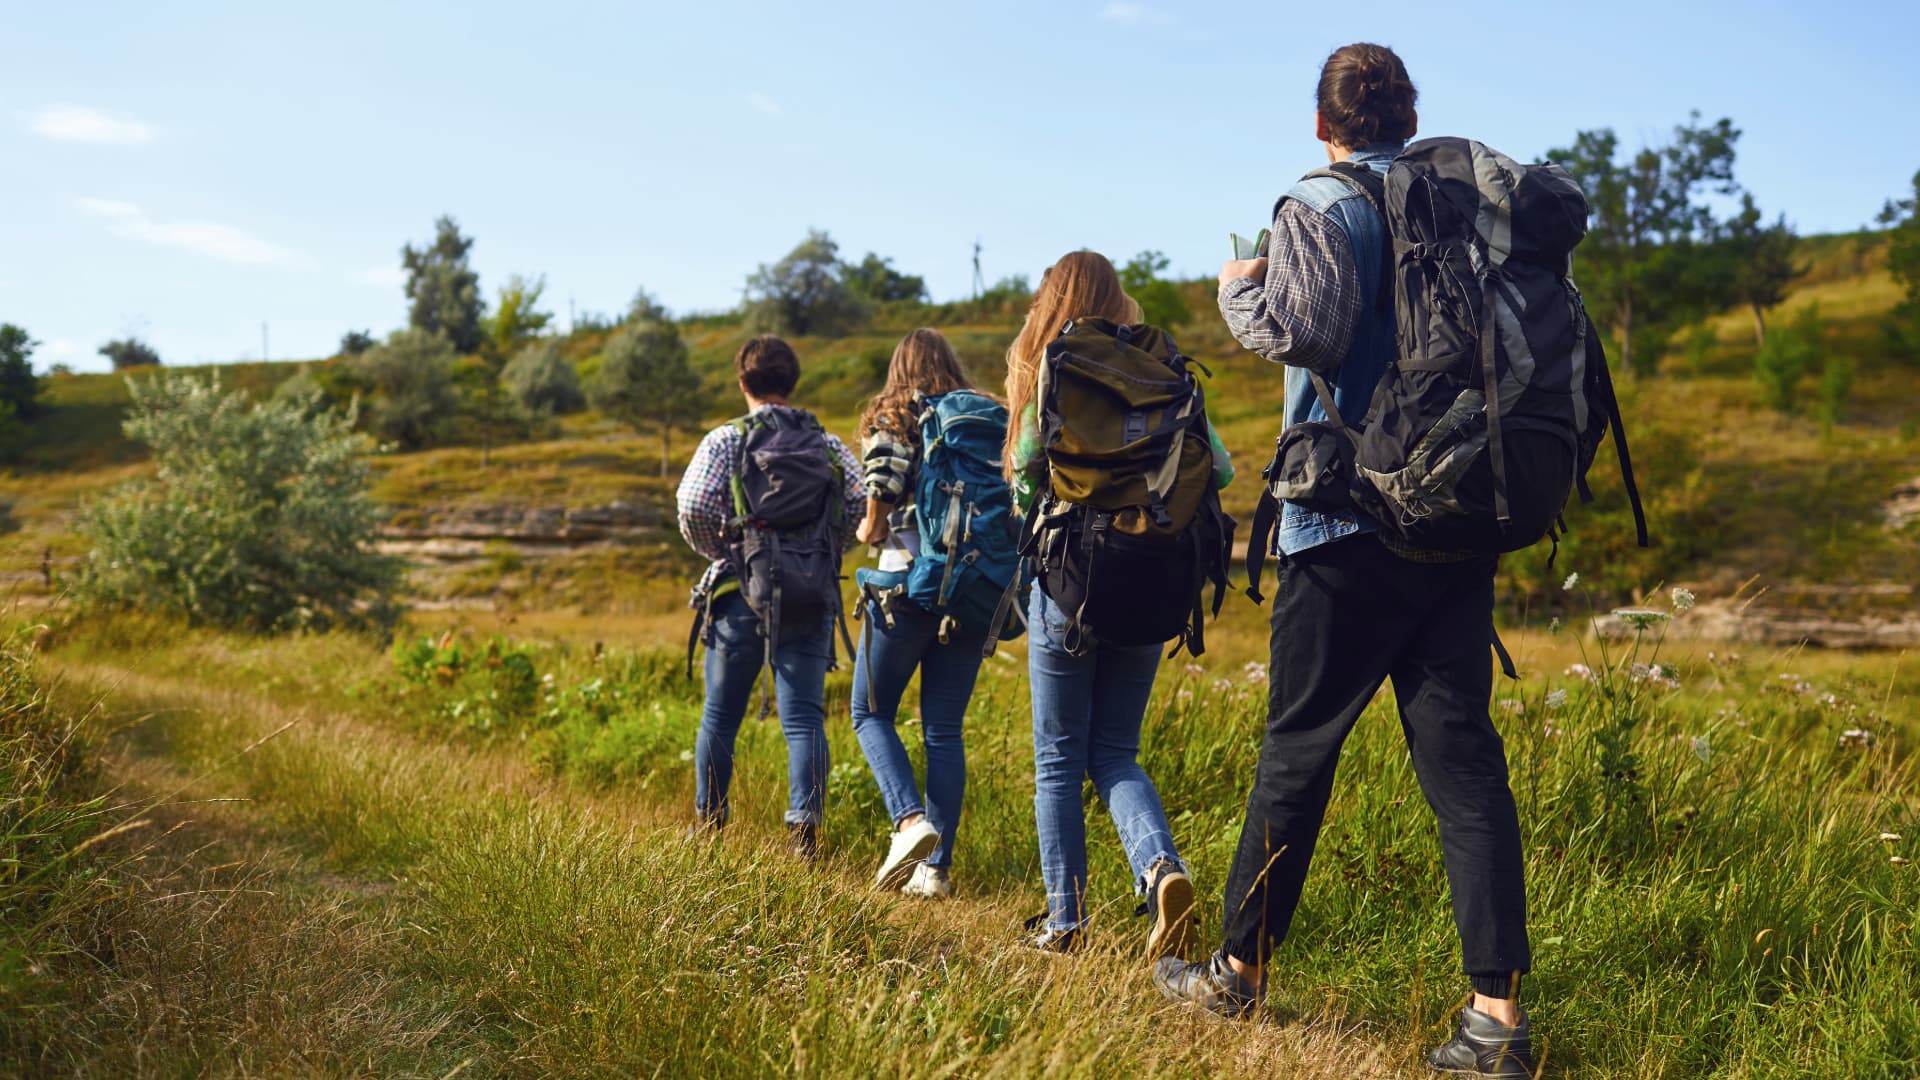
{"x":378,"y":904}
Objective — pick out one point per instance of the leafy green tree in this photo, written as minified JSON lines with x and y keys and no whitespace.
{"x":410,"y":380}
{"x":1160,"y":301}
{"x":646,"y":379}
{"x":517,"y":317}
{"x":257,"y":516}
{"x":542,"y":382}
{"x":806,"y":292}
{"x":1639,"y":267}
{"x":19,"y":386}
{"x":646,"y":308}
{"x":355,"y":342}
{"x":443,"y":291}
{"x":130,"y":352}
{"x":875,"y":278}
{"x":1762,"y":261}
{"x":1902,"y":217}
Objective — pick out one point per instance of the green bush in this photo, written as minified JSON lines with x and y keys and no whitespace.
{"x":1791,"y":352}
{"x":542,"y":382}
{"x":411,"y":377}
{"x":257,"y":516}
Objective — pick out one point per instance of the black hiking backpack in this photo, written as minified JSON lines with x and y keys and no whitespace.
{"x":790,"y":519}
{"x":1129,"y":530}
{"x":1498,"y":396}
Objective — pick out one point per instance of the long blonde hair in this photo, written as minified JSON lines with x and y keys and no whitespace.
{"x":925,"y":362}
{"x":1082,"y":285}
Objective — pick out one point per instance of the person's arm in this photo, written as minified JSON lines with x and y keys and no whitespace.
{"x":1222,"y":460}
{"x":1303,"y":306}
{"x":853,"y":485}
{"x":888,"y":462}
{"x":704,"y":499}
{"x":1026,"y":459}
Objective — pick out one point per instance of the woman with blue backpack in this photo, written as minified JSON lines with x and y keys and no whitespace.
{"x":940,"y":511}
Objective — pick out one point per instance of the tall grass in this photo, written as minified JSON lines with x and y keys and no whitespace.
{"x":1710,"y":889}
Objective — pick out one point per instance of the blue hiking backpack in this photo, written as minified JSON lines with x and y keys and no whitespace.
{"x":963,"y":512}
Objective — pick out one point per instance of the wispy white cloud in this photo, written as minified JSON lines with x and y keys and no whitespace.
{"x":78,"y":123}
{"x":206,"y":238}
{"x":764,"y":104}
{"x":381,"y":277}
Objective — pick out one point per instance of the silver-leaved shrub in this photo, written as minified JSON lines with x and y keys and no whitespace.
{"x":257,"y":516}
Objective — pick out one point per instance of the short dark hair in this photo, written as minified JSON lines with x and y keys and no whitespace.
{"x":1365,"y":96}
{"x":767,"y":367}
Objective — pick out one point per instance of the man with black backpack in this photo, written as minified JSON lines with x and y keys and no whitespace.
{"x":770,"y":498}
{"x":1444,"y":394}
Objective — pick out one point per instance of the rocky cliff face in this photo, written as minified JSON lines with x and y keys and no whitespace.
{"x":457,"y":533}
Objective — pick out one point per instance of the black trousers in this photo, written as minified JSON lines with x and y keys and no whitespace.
{"x":1347,"y":616}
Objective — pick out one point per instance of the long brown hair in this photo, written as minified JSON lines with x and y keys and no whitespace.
{"x":925,"y":362}
{"x":1082,"y":285}
{"x":1366,"y":97}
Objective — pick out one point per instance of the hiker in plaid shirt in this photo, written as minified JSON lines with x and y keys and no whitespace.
{"x":736,"y":647}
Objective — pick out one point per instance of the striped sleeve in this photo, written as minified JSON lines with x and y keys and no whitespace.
{"x":888,"y":461}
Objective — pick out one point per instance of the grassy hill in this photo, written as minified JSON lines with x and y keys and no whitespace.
{"x":1737,"y":493}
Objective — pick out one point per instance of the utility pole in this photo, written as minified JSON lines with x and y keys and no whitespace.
{"x":979,"y":282}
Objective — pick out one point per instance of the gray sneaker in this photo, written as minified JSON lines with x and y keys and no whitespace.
{"x":1170,"y":903}
{"x":1485,"y":1047}
{"x":1211,"y":984}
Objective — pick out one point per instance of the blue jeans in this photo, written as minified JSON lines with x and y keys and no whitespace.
{"x":888,"y":657}
{"x":735,"y":655}
{"x":1087,"y":712}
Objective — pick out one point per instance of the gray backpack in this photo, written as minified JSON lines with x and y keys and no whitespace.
{"x":1498,"y":397}
{"x":788,"y":529}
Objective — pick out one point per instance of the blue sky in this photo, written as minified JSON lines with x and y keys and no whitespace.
{"x":187,"y":171}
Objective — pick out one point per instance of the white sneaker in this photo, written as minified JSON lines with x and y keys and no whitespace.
{"x":929,"y":883}
{"x":910,"y":848}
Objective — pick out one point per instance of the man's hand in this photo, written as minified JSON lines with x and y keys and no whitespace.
{"x":872,"y":530}
{"x":1252,"y":269}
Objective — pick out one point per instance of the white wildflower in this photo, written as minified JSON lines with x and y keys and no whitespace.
{"x":1897,"y":860}
{"x":1255,"y":672}
{"x":1572,"y":580}
{"x":1556,"y":698}
{"x":1553,"y":625}
{"x":1517,"y":708}
{"x":1581,"y":672}
{"x":1682,"y":599}
{"x":1889,"y":837}
{"x":1854,"y":736}
{"x":1196,"y":670}
{"x":686,"y":755}
{"x":1702,"y":748}
{"x":1640,"y":618}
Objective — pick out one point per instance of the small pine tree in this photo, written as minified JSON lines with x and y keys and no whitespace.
{"x":645,"y":379}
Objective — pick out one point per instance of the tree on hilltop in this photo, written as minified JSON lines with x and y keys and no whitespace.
{"x":130,"y":352}
{"x":806,"y":292}
{"x":646,"y":378}
{"x":1762,"y":257}
{"x":1160,"y":301}
{"x":1638,"y":267}
{"x":875,"y":278}
{"x":443,"y":291}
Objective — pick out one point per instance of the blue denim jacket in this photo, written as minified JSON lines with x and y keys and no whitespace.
{"x":1368,"y":355}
